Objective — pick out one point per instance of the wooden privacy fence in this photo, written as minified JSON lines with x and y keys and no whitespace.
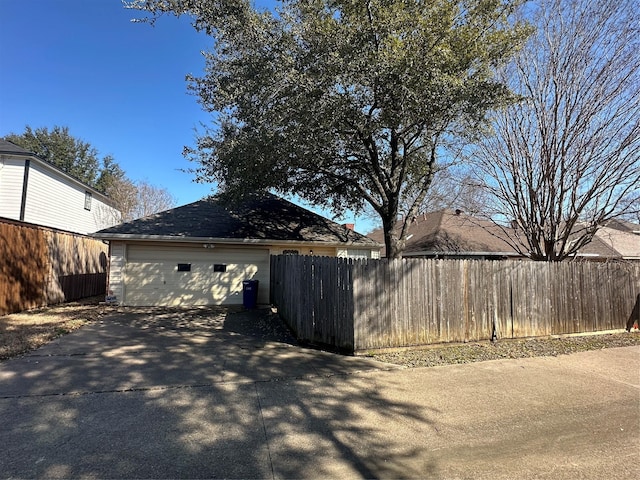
{"x":358,"y":305}
{"x":41,"y":266}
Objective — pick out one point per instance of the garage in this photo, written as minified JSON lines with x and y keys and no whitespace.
{"x":200,"y":253}
{"x":193,"y":275}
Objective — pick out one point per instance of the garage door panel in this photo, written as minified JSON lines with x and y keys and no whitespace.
{"x":153,"y":277}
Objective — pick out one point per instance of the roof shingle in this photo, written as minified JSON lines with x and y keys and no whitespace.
{"x":257,"y":218}
{"x":12,"y":148}
{"x":448,"y":232}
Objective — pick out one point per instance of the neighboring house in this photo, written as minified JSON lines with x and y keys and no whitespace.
{"x":625,"y":243}
{"x":453,"y":234}
{"x":615,"y":240}
{"x":598,"y":250}
{"x":37,"y":192}
{"x":200,"y":253}
{"x":624,"y":226}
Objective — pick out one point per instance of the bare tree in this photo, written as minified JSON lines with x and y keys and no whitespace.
{"x":455,"y":188}
{"x":451,"y":189}
{"x":565,"y":159}
{"x":138,"y":199}
{"x":124,"y":194}
{"x":632,"y":214}
{"x":151,"y":199}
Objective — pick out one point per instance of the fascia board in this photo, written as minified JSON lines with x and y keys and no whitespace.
{"x":229,"y":241}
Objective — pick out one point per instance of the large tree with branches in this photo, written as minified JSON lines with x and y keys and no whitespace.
{"x":344,"y":103}
{"x":565,"y":159}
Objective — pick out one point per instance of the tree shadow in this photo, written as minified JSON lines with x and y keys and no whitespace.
{"x":202,"y":393}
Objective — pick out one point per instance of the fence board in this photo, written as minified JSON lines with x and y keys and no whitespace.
{"x":41,"y":266}
{"x":368,"y":304}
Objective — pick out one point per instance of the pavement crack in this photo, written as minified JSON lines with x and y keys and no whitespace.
{"x":264,"y":429}
{"x":115,"y":390}
{"x":148,"y":388}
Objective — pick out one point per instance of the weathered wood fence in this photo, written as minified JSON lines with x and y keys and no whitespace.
{"x":41,"y":266}
{"x":359,"y":305}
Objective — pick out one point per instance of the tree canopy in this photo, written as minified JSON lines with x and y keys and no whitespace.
{"x":58,"y":147}
{"x":344,"y":103}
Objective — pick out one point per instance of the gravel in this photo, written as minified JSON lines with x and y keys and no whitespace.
{"x":479,"y":352}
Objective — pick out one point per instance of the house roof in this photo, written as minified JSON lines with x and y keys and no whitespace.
{"x":624,"y":243}
{"x":7,"y":147}
{"x":597,"y":247}
{"x":446,"y":232}
{"x":452,"y":232}
{"x":263,"y":218}
{"x":623,"y":226}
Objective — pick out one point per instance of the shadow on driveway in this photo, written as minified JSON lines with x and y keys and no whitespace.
{"x":214,"y":392}
{"x":197,"y":393}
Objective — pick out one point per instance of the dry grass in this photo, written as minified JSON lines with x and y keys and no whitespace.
{"x":26,"y":331}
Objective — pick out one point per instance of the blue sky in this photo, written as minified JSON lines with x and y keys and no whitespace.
{"x":116,"y":84}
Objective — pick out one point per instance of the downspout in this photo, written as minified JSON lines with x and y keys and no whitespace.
{"x":25,"y":184}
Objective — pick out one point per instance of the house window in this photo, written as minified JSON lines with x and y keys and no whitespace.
{"x":87,"y":200}
{"x":219,"y":267}
{"x":355,"y":253}
{"x":184,"y":267}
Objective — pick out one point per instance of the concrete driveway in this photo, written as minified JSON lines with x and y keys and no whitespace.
{"x":207,"y":393}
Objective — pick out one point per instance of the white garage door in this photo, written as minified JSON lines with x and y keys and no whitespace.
{"x":172,"y":276}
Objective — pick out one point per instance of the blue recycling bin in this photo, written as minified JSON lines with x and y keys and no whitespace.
{"x":249,"y":293}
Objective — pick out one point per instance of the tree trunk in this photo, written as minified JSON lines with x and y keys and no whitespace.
{"x":393,"y":244}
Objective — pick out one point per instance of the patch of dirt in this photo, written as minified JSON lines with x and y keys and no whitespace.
{"x":26,"y":331}
{"x":478,"y":352}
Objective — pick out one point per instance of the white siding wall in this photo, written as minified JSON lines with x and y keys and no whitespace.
{"x":55,"y":201}
{"x":152,"y":277}
{"x":117,"y":264}
{"x":11,"y":179}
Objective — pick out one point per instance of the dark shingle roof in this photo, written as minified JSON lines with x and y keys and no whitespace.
{"x":12,"y":148}
{"x":258,"y":218}
{"x":623,"y":226}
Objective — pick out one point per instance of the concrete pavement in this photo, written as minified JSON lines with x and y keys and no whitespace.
{"x":206,"y":394}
